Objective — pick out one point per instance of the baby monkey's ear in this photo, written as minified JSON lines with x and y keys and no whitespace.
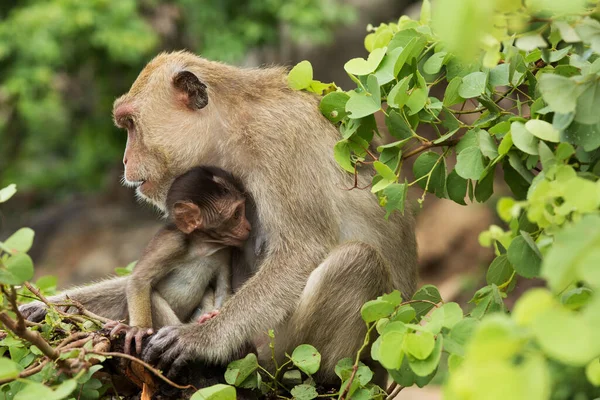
{"x":187,"y":216}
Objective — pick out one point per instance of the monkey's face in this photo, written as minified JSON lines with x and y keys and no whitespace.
{"x":230,"y":224}
{"x":169,"y":128}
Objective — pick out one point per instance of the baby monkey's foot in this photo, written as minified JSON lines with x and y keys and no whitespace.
{"x":205,"y":317}
{"x":132,"y":333}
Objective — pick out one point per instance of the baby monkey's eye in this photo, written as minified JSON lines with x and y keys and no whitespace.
{"x":236,"y":214}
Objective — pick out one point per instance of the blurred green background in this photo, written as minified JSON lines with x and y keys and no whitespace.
{"x":63,"y":62}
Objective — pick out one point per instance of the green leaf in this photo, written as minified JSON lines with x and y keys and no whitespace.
{"x":523,"y":139}
{"x":360,"y":66}
{"x":564,"y":151}
{"x":344,"y":368}
{"x":433,"y":65}
{"x":237,"y":371}
{"x":396,"y":197}
{"x":397,"y":125}
{"x":36,"y":391}
{"x":451,"y":96}
{"x":7,"y":192}
{"x":587,"y":105}
{"x":394,"y":298}
{"x":21,"y":240}
{"x":420,"y":345}
{"x":592,"y":372}
{"x":499,"y":75}
{"x":417,"y":98}
{"x":301,"y":76}
{"x":428,"y":365}
{"x":9,"y":369}
{"x":429,"y":293}
{"x":306,"y":358}
{"x":430,"y":163}
{"x":384,"y":171}
{"x":575,"y":299}
{"x":567,"y":259}
{"x":216,"y":392}
{"x":459,"y":336}
{"x":515,"y":162}
{"x":530,"y":42}
{"x":525,"y":259}
{"x":404,"y":314}
{"x":361,"y":105}
{"x":304,"y":392}
{"x":543,"y":130}
{"x":456,"y":187}
{"x":500,"y":271}
{"x":587,"y":136}
{"x":487,"y":144}
{"x":390,"y":349}
{"x":292,"y":378}
{"x":376,"y":309}
{"x":559,"y":93}
{"x":333,"y":106}
{"x":589,"y":32}
{"x":485,"y":186}
{"x":398,"y":95}
{"x":19,"y":268}
{"x":469,"y":163}
{"x":473,"y":85}
{"x":341,"y":153}
{"x":553,"y":326}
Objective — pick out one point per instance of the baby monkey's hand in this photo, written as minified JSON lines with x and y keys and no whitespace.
{"x":205,"y":317}
{"x":132,"y":333}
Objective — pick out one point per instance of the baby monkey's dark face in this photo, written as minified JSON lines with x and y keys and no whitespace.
{"x":211,"y":202}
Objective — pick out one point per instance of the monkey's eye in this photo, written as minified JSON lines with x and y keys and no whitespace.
{"x":236,"y":214}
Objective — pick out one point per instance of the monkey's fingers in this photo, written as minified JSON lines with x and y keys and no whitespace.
{"x":205,"y":317}
{"x":111,"y":325}
{"x":120,"y":327}
{"x":139,"y":338}
{"x":155,"y":349}
{"x":178,"y":364}
{"x":129,"y":337}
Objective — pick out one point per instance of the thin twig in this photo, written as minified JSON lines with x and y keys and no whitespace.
{"x":34,"y":338}
{"x":88,"y":313}
{"x":344,"y":393}
{"x":44,"y":300}
{"x":73,"y":337}
{"x":394,"y":393}
{"x":146,"y":365}
{"x":421,"y":301}
{"x":428,"y":145}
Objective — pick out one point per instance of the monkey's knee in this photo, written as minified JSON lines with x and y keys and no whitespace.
{"x":353,"y":266}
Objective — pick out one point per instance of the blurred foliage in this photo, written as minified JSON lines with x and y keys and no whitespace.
{"x":63,"y":62}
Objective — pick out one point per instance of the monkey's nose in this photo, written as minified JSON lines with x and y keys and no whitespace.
{"x":124,"y":160}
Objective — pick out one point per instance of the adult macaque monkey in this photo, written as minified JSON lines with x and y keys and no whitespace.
{"x":206,"y":208}
{"x":324,"y":250}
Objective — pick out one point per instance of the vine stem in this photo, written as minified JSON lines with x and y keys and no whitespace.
{"x":145,"y":365}
{"x":428,"y":145}
{"x":356,"y":361}
{"x":34,"y":338}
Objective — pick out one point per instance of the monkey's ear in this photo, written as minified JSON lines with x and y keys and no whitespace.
{"x":196,"y":96}
{"x":187,"y":216}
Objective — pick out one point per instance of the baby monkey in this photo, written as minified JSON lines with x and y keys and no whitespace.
{"x":207,"y":211}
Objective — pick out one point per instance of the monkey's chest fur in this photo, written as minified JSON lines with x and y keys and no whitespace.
{"x":190,"y":279}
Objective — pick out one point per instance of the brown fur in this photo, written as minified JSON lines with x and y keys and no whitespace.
{"x":278,"y":143}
